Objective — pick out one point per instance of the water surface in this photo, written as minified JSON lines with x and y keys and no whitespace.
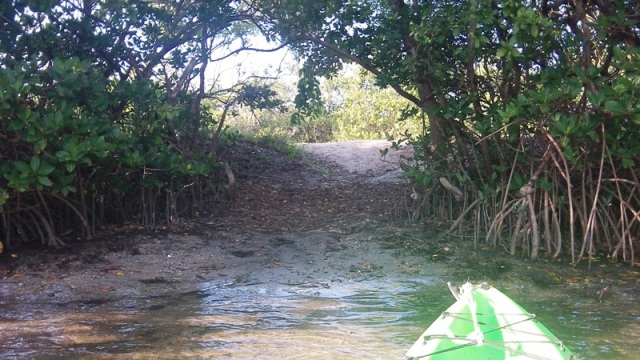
{"x":376,"y":319}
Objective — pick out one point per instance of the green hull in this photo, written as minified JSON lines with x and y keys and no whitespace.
{"x":502,"y":330}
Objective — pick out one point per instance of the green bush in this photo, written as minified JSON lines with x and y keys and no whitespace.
{"x":66,"y":149}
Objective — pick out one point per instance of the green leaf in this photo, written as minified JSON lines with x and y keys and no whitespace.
{"x":16,"y":126}
{"x":615,"y":107}
{"x":45,"y":170}
{"x":62,"y":155}
{"x":4,"y":196}
{"x":618,"y":53}
{"x":544,"y":184}
{"x":35,"y":163}
{"x":44,"y":181}
{"x":40,"y":145}
{"x":596,"y":98}
{"x":628,"y":163}
{"x":65,"y":190}
{"x":22,"y":166}
{"x":623,"y":85}
{"x":25,"y":114}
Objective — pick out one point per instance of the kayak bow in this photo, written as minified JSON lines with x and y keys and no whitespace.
{"x":484,"y":323}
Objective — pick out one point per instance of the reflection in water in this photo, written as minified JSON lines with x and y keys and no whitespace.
{"x":367,"y":319}
{"x":591,"y":329}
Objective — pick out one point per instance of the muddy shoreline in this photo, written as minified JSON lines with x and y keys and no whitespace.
{"x":329,"y":217}
{"x":298,"y":221}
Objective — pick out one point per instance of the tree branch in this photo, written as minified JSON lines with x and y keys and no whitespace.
{"x":243,"y":48}
{"x":345,"y":55}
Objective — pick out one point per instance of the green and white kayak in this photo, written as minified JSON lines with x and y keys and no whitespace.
{"x":486,"y":324}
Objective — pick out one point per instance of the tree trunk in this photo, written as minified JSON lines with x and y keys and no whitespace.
{"x":437,"y":125}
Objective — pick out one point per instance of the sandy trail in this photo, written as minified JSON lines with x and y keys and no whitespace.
{"x":329,"y":227}
{"x":364,"y":158}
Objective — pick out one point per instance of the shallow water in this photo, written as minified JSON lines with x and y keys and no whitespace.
{"x":350,"y":320}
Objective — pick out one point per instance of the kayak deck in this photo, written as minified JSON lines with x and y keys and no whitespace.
{"x":484,"y":323}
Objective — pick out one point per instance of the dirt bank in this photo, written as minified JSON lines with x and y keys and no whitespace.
{"x":326,"y":216}
{"x":316,"y":219}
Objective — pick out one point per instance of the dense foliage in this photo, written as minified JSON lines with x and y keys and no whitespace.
{"x":360,"y":109}
{"x":353,"y":108}
{"x":532,"y":138}
{"x":102,"y":111}
{"x":533,"y":109}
